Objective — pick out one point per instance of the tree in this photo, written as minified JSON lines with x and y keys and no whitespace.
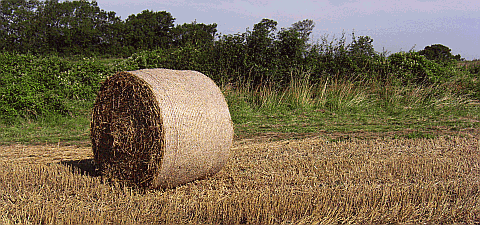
{"x":89,"y":25}
{"x":290,"y":46}
{"x":44,"y":27}
{"x":196,"y":34}
{"x":18,"y":24}
{"x":78,"y":26}
{"x":112,"y":30}
{"x":361,"y":46}
{"x":260,"y":43}
{"x":229,"y":56}
{"x":304,"y":28}
{"x":149,"y":30}
{"x":292,"y":42}
{"x":439,"y":53}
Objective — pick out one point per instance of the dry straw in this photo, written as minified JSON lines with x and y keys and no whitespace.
{"x":160,"y":128}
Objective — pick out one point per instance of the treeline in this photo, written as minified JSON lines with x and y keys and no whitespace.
{"x":37,"y":79}
{"x":263,"y":55}
{"x":81,"y":27}
{"x":268,"y":56}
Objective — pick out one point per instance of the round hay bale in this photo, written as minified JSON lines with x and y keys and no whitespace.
{"x":160,"y":128}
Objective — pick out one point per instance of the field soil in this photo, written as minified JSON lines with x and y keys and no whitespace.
{"x":356,"y":177}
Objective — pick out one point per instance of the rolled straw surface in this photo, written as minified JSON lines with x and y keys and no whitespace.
{"x":160,"y":128}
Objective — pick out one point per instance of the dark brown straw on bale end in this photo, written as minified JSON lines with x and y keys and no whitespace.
{"x":160,"y":128}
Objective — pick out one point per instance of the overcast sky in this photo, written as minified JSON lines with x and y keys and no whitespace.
{"x":394,"y":25}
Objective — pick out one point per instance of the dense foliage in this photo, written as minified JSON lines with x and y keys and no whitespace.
{"x":81,"y":27}
{"x":267,"y":57}
{"x":439,"y":53}
{"x":35,"y":81}
{"x":33,"y":86}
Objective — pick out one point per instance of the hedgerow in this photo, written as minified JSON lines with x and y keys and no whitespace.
{"x":34,"y":86}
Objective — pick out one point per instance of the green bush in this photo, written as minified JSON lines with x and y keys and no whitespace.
{"x":411,"y":67}
{"x":263,"y":59}
{"x":33,"y":87}
{"x":181,"y":58}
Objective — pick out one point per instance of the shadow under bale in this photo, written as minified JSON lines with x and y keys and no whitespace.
{"x":84,"y":167}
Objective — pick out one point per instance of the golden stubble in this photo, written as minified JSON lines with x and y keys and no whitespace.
{"x":379,"y":180}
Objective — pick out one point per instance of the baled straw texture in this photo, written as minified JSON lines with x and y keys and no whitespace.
{"x":160,"y":128}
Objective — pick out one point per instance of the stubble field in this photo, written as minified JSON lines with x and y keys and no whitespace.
{"x":307,"y":181}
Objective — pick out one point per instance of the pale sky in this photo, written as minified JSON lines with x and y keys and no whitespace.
{"x":393,"y":25}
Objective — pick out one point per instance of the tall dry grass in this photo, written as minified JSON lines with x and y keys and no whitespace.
{"x":310,"y":181}
{"x":343,"y":94}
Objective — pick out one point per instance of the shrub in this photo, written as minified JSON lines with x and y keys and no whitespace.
{"x":33,"y":86}
{"x":411,"y":67}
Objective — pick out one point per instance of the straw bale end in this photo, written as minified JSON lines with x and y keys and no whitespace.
{"x":160,"y":128}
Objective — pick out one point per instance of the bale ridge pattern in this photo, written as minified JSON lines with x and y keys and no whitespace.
{"x":160,"y":128}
